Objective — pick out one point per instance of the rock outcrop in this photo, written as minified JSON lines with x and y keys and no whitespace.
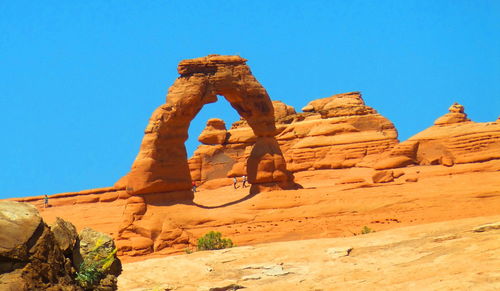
{"x":30,"y":256}
{"x":456,"y":114}
{"x":161,"y":174}
{"x":34,"y":256}
{"x":335,"y":132}
{"x":161,"y":165}
{"x":214,"y":133}
{"x":453,"y":139}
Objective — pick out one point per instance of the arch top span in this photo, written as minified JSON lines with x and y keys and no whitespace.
{"x":161,"y":165}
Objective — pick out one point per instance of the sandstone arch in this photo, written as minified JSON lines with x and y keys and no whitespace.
{"x":161,"y":165}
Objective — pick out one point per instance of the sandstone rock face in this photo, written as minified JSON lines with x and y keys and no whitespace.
{"x":18,"y":222}
{"x":335,"y":132}
{"x":422,"y":257}
{"x":31,"y":258}
{"x":214,"y":133}
{"x":383,"y":177}
{"x":281,"y":110}
{"x":161,"y":165}
{"x":34,"y":256}
{"x":456,"y":114}
{"x":453,"y":139}
{"x":65,"y":235}
{"x":161,"y":172}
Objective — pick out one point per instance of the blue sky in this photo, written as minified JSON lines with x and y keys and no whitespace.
{"x":79,"y":79}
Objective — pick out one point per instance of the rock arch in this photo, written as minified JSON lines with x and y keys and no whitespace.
{"x":161,"y":165}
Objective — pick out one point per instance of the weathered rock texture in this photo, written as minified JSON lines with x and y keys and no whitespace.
{"x":161,"y":175}
{"x":34,"y":256}
{"x":453,"y":139}
{"x":342,"y":132}
{"x":438,"y":256}
{"x":92,"y":244}
{"x":30,"y":258}
{"x":335,"y":132}
{"x":161,"y":165}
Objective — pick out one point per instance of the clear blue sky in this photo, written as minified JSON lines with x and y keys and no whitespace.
{"x":79,"y":79}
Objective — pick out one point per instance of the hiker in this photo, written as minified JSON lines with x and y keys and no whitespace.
{"x":235,"y":183}
{"x":45,"y":201}
{"x":194,"y":186}
{"x":244,"y":181}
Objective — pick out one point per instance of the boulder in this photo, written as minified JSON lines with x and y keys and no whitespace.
{"x":214,"y":133}
{"x":393,"y":162}
{"x":95,"y":247}
{"x":65,"y":235}
{"x":18,"y":222}
{"x":282,"y":110}
{"x":383,"y":177}
{"x":30,"y":255}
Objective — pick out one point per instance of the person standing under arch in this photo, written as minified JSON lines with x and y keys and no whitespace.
{"x":244,"y":182}
{"x":235,"y":183}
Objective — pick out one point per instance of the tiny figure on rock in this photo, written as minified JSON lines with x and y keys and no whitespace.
{"x":235,"y":183}
{"x":244,"y":182}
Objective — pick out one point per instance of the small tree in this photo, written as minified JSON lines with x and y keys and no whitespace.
{"x":213,"y":241}
{"x":366,"y":230}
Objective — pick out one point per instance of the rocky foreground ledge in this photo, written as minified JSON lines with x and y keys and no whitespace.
{"x":36,"y":256}
{"x":452,"y":255}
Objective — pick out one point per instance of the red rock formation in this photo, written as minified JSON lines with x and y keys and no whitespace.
{"x":455,"y":115}
{"x":453,"y":139}
{"x":214,"y":133}
{"x":161,"y":175}
{"x":161,"y":165}
{"x":335,"y":132}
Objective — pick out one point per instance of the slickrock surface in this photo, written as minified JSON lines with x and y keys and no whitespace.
{"x":335,"y":132}
{"x":452,"y":255}
{"x":333,"y":203}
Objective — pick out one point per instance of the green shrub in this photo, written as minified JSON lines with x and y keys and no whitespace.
{"x":366,"y":230}
{"x":88,"y":275}
{"x":94,"y":266}
{"x":213,"y":241}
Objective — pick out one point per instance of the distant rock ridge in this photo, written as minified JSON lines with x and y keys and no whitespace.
{"x":341,"y":131}
{"x":453,"y":139}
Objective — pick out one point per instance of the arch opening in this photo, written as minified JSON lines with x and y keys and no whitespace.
{"x":161,"y":165}
{"x":221,"y":109}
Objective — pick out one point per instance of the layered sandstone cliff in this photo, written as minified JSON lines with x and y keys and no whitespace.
{"x":334,"y":132}
{"x":453,"y":139}
{"x":342,"y":132}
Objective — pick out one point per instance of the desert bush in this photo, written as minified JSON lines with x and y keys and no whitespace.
{"x":94,"y":266}
{"x":213,"y":241}
{"x":366,"y":230}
